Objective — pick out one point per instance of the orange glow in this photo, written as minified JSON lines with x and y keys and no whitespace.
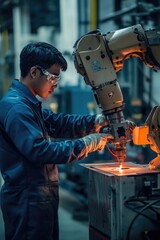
{"x":118,"y":101}
{"x":120,"y":168}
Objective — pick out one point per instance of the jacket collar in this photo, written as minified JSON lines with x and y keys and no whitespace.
{"x":19,"y":86}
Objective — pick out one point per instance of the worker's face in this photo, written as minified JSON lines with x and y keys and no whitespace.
{"x":44,"y":81}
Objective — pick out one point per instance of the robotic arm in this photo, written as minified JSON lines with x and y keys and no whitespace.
{"x":98,"y":57}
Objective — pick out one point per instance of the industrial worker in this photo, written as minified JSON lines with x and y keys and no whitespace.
{"x":28,"y":158}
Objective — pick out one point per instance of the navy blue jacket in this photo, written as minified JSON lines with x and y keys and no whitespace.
{"x":32,"y":157}
{"x":28,"y":162}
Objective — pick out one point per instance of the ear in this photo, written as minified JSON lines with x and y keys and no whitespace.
{"x":34,"y":72}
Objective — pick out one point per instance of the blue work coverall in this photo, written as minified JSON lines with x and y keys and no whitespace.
{"x":28,"y":162}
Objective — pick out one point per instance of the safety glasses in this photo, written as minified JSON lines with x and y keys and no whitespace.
{"x":52,"y":78}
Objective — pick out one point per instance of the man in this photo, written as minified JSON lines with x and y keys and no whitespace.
{"x":29,"y":195}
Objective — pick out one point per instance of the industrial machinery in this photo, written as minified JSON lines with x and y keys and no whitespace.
{"x":124,"y":203}
{"x":123,"y":198}
{"x":98,"y":57}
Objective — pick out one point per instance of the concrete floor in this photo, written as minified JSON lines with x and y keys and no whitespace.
{"x":69,"y":228}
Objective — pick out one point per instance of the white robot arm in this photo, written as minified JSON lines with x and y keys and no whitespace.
{"x":98,"y":57}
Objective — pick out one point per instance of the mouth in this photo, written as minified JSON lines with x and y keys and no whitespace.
{"x":51,"y":91}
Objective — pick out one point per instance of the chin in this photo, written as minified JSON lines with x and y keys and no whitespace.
{"x":44,"y":95}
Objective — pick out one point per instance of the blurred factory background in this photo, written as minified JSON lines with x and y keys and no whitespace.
{"x":61,"y":23}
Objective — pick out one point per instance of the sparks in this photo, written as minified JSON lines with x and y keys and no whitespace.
{"x":120,"y":168}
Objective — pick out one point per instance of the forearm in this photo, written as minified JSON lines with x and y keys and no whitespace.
{"x":45,"y":152}
{"x":69,"y":126}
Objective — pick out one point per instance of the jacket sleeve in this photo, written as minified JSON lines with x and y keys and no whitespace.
{"x":22,"y":128}
{"x":68,"y":126}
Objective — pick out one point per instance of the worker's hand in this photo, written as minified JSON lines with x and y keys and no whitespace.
{"x":96,"y":141}
{"x":100,"y":121}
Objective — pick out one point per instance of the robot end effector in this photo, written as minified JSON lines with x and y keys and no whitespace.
{"x":99,"y":56}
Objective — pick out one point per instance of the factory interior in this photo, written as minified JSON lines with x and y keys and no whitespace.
{"x":113,"y":194}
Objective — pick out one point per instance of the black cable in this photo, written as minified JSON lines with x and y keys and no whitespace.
{"x":133,"y":220}
{"x":141,"y":201}
{"x":144,"y":215}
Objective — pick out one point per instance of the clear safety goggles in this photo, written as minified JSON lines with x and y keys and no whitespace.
{"x":52,"y":78}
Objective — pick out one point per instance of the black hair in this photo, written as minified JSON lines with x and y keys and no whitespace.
{"x":40,"y":53}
